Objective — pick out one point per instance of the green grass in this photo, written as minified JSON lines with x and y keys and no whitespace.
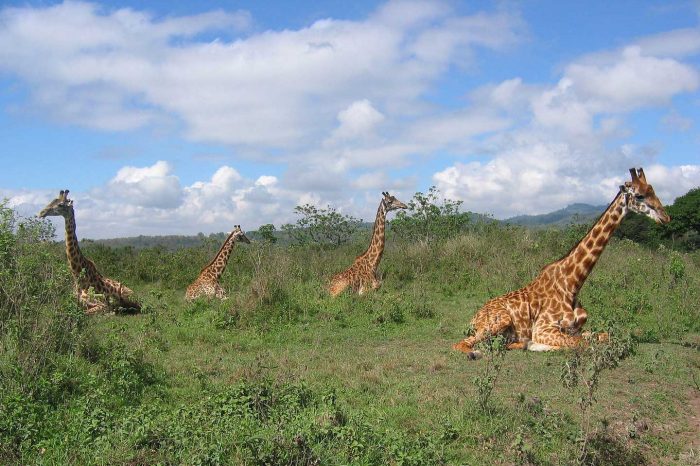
{"x":282,"y":374}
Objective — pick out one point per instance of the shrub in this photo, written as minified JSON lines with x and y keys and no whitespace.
{"x":581,"y":373}
{"x":428,"y":218}
{"x":321,"y":226}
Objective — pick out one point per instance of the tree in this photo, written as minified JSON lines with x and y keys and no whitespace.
{"x":682,"y":232}
{"x":428,"y":218}
{"x":684,"y":226}
{"x":321,"y":226}
{"x":640,"y":229}
{"x":267,"y":233}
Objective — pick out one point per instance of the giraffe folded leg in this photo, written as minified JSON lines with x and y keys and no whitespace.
{"x":220,"y":293}
{"x":552,"y":338}
{"x":486,"y":322}
{"x":517,"y":345}
{"x":602,"y":337}
{"x":573,"y":322}
{"x":96,"y":309}
{"x":90,"y":304}
{"x":338,"y":284}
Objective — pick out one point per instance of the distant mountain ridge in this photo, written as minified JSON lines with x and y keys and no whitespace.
{"x":573,"y":213}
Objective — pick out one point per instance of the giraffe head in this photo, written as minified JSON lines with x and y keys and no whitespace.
{"x":391,"y":203}
{"x":239,"y":235}
{"x":60,"y":206}
{"x":640,"y":197}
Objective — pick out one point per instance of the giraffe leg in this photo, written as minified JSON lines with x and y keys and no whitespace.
{"x":517,"y":345}
{"x":551,"y":338}
{"x":338,"y":284}
{"x":575,"y":326}
{"x":220,"y":292}
{"x":121,"y":296}
{"x":90,"y":304}
{"x":487,"y":322}
{"x":574,"y":321}
{"x":375,"y":281}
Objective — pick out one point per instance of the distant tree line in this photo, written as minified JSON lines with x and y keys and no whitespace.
{"x":429,"y":217}
{"x":681,"y":233}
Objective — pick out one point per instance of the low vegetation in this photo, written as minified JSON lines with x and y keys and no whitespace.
{"x":281,"y":374}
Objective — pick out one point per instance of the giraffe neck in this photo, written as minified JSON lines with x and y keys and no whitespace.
{"x":376,"y":245}
{"x":76,"y":260}
{"x":579,"y":263}
{"x":217,"y":266}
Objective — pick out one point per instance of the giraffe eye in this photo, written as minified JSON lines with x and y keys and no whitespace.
{"x":639,"y":197}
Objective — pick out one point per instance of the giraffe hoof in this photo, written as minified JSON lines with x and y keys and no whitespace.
{"x":474,"y":355}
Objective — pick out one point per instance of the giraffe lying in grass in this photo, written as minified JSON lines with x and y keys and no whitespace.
{"x":95,"y":292}
{"x":207,"y":283}
{"x":545,"y":315}
{"x":362,"y":274}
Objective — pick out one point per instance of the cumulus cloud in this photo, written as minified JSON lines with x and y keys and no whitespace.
{"x":563,"y":141}
{"x":357,"y":121}
{"x":124,"y":69}
{"x":347,"y":105}
{"x":153,"y":186}
{"x":634,"y":80}
{"x":617,"y":83}
{"x":533,"y":177}
{"x":151,"y":201}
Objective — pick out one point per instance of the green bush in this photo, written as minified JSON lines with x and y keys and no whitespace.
{"x":428,"y":218}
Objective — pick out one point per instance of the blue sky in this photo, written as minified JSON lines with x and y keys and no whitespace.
{"x":166,"y":119}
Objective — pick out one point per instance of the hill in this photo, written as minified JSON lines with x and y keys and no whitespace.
{"x":571,"y":214}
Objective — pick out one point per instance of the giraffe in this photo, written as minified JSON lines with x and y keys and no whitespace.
{"x":363,"y":271}
{"x":545,"y":314}
{"x":95,"y":292}
{"x":207,"y":283}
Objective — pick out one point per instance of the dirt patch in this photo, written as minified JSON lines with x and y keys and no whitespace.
{"x":694,"y":419}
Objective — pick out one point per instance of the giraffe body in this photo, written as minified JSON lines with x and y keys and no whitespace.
{"x":94,"y":292}
{"x":362,"y":275}
{"x":207,"y":282}
{"x":545,"y":314}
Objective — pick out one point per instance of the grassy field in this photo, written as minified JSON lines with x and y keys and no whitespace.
{"x":281,"y":374}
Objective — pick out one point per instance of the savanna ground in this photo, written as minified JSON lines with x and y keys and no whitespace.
{"x":281,"y":374}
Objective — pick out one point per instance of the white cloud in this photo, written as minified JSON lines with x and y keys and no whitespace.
{"x":122,"y":69}
{"x":566,"y":147}
{"x":611,"y":83}
{"x":357,"y":121}
{"x":153,"y":186}
{"x":677,"y":43}
{"x":349,"y":103}
{"x":632,"y":81}
{"x":533,"y":177}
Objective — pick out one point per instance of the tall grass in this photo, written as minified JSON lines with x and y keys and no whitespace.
{"x":70,"y":393}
